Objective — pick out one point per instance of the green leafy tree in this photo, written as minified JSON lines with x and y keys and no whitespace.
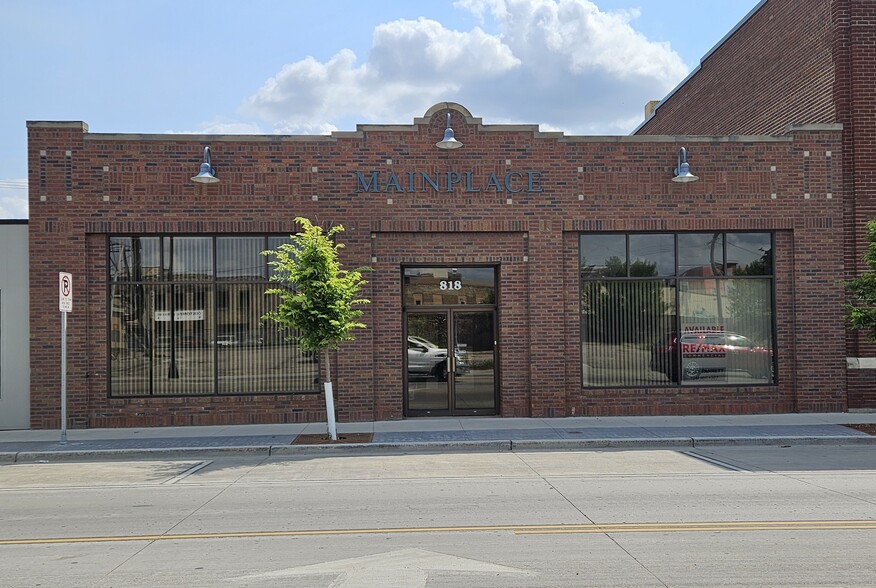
{"x":861,"y":312}
{"x":318,"y":299}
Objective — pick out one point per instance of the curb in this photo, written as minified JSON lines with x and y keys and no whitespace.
{"x":10,"y":457}
{"x":630,"y":442}
{"x":32,"y":456}
{"x":791,"y":440}
{"x":401,"y":446}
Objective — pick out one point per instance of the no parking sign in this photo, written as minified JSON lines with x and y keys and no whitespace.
{"x":65,"y":291}
{"x":65,"y":303}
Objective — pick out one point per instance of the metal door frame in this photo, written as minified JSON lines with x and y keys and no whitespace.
{"x":450,"y":312}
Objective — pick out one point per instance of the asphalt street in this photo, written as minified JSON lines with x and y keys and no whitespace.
{"x":773,"y":515}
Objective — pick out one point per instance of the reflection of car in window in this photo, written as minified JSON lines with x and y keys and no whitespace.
{"x":427,"y":359}
{"x":421,"y":341}
{"x":701,"y":353}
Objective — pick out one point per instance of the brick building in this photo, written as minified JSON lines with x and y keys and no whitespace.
{"x":525,"y":273}
{"x":793,"y":62}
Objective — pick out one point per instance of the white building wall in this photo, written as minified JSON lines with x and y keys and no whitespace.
{"x":14,"y":327}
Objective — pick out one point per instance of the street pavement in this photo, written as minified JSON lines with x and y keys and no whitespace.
{"x":442,"y":434}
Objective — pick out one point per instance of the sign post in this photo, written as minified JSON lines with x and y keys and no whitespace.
{"x":65,"y":304}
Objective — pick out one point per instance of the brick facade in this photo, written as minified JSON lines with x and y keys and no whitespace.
{"x":87,"y":186}
{"x":796,"y":62}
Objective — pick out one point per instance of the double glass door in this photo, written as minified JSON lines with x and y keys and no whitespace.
{"x":451,"y":362}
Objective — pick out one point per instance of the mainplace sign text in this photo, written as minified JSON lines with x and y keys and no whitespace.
{"x":420,"y":181}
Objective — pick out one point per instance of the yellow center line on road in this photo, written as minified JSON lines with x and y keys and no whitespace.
{"x":708,"y":526}
{"x":516,"y":529}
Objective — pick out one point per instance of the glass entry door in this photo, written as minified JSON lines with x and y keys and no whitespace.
{"x":451,"y":362}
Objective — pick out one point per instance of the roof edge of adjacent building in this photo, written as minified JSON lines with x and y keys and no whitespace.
{"x":697,"y":68}
{"x":791,"y":128}
{"x":58,"y":124}
{"x":676,"y":138}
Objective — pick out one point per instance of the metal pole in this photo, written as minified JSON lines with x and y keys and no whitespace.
{"x":63,"y":377}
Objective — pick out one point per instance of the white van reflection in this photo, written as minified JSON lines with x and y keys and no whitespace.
{"x":427,"y":360}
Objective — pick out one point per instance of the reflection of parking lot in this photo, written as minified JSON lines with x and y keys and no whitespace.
{"x":473,"y":385}
{"x":629,"y":364}
{"x":475,"y":389}
{"x":282,"y":368}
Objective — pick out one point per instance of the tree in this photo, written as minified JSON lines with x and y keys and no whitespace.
{"x":317,"y":297}
{"x":861,"y":313}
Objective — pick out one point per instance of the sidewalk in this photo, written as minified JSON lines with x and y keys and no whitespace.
{"x":441,"y":434}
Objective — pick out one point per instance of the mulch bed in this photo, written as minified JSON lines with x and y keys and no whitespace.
{"x":324,"y":439}
{"x":869,"y":428}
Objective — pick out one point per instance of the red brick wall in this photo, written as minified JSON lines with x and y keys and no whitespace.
{"x":862,"y":389}
{"x":776,"y":69}
{"x":856,"y":91}
{"x":136,"y":184}
{"x":796,"y":62}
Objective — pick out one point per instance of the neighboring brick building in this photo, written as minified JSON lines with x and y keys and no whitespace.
{"x":792,"y":62}
{"x":524,"y":274}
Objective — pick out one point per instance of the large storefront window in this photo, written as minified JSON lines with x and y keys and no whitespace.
{"x":677,"y":309}
{"x":185,"y":319}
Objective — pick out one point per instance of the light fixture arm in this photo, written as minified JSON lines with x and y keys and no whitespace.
{"x":682,"y":172}
{"x":449,"y":141}
{"x":207,"y":175}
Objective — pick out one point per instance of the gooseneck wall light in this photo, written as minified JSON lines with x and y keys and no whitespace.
{"x":682,"y":172}
{"x":448,"y":142}
{"x":207,"y":175}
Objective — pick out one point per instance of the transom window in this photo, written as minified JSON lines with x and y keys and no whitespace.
{"x":438,"y":286}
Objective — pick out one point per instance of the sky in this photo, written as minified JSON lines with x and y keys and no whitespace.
{"x":584,"y":67}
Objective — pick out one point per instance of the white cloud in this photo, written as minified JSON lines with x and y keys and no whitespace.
{"x":13,"y":198}
{"x":563,"y":64}
{"x":578,"y":35}
{"x":584,"y":70}
{"x":423,"y":51}
{"x":221,"y":126}
{"x":227,"y":127}
{"x":306,"y":91}
{"x":410,"y":66}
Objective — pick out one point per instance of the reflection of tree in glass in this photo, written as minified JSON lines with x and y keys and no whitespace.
{"x":763,"y":266}
{"x":751,"y":301}
{"x":614,"y":267}
{"x":432,"y":327}
{"x":749,"y":311}
{"x":623,"y":311}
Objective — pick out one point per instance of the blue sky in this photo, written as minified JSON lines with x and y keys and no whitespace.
{"x":300,"y":67}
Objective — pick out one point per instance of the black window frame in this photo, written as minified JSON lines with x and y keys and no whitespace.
{"x":164,"y":278}
{"x":674,"y":281}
